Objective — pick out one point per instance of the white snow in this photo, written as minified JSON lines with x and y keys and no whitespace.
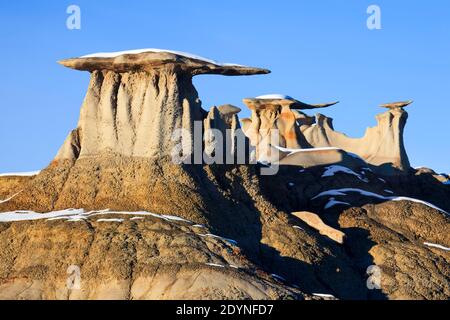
{"x":278,"y":277}
{"x":332,"y":170}
{"x":323,"y":295}
{"x":20,"y":174}
{"x":30,"y":215}
{"x":438,"y":246}
{"x":388,"y":191}
{"x":291,"y":184}
{"x":78,"y":215}
{"x":274,"y":96}
{"x":215,"y":265}
{"x":299,"y":228}
{"x":344,"y":191}
{"x":419,"y":201}
{"x":292,"y":151}
{"x":137,"y":218}
{"x":382,"y":180}
{"x":333,"y":202}
{"x":138,"y":51}
{"x":6,"y":200}
{"x":219,"y":237}
{"x":110,"y":220}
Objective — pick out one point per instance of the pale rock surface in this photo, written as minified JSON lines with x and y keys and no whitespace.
{"x":382,"y":146}
{"x":314,"y":221}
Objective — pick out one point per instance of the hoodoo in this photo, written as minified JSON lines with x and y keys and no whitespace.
{"x":276,"y":123}
{"x":137,"y":99}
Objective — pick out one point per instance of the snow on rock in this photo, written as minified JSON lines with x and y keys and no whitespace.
{"x":274,"y":96}
{"x":324,"y":295}
{"x":110,"y":220}
{"x":332,"y":170}
{"x":276,"y":276}
{"x":344,"y":191}
{"x":10,"y":198}
{"x":293,"y":151}
{"x":234,"y":242}
{"x":215,"y":265}
{"x":333,"y":202}
{"x":30,"y":215}
{"x":78,"y":215}
{"x":419,"y":201}
{"x":138,"y":51}
{"x":20,"y":174}
{"x":438,"y":246}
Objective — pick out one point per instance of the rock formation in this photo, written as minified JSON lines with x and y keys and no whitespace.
{"x":145,"y":227}
{"x":136,"y":101}
{"x":382,"y":146}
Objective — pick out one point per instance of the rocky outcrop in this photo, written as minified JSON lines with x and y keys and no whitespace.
{"x":276,"y":122}
{"x":154,"y":229}
{"x":136,"y":102}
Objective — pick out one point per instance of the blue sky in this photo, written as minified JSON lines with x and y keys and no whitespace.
{"x":318,"y":51}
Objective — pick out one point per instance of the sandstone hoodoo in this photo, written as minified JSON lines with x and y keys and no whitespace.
{"x":382,"y":146}
{"x":114,"y":205}
{"x":137,"y":99}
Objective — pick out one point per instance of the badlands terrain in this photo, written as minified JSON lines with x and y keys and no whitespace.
{"x":341,"y":218}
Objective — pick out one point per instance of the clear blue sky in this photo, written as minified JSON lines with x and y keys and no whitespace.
{"x":318,"y":51}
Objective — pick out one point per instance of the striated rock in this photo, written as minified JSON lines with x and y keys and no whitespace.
{"x":382,"y":146}
{"x":127,"y":257}
{"x":137,"y":100}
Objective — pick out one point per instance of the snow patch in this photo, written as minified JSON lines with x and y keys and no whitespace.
{"x":10,"y":198}
{"x":278,"y":277}
{"x":110,"y":220}
{"x":438,"y":246}
{"x":138,"y":51}
{"x":333,"y":202}
{"x":274,"y":96}
{"x":324,"y":295}
{"x":293,"y":151}
{"x":20,"y":174}
{"x":332,"y":170}
{"x":344,"y":191}
{"x":78,"y":215}
{"x":234,"y":242}
{"x":388,"y":191}
{"x":215,"y":265}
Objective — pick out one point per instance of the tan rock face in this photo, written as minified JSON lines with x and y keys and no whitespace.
{"x":314,"y":221}
{"x":382,"y":146}
{"x":134,"y":114}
